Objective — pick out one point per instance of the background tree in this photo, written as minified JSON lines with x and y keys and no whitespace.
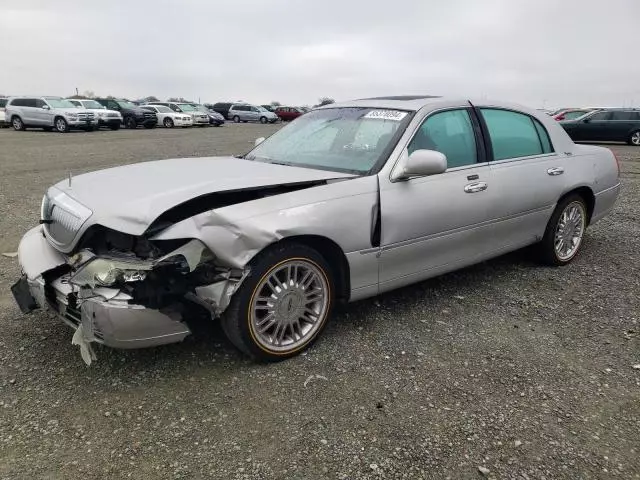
{"x":325,"y":101}
{"x":179,"y":99}
{"x":275,"y":103}
{"x":152,"y":98}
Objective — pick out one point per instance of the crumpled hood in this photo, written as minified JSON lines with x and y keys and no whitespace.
{"x":130,"y":197}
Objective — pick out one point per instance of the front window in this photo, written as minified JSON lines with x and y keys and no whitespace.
{"x":92,"y":104}
{"x":350,"y":140}
{"x":185,"y":107}
{"x":126,"y":104}
{"x":60,"y":103}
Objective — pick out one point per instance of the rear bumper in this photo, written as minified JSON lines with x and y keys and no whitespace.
{"x":605,"y":201}
{"x":107,"y":315}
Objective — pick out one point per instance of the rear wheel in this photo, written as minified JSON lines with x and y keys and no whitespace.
{"x":17,"y":123}
{"x":634,"y":139}
{"x":236,"y":119}
{"x":61,"y":125}
{"x":263,"y":120}
{"x":283,"y":305}
{"x":565,"y":231}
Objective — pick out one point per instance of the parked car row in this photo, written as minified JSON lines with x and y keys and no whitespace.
{"x":246,"y":112}
{"x":64,"y":114}
{"x":605,"y":124}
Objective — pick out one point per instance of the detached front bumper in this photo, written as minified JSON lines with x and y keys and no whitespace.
{"x":106,"y":315}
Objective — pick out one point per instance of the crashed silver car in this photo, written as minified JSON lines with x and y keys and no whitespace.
{"x":348,"y":201}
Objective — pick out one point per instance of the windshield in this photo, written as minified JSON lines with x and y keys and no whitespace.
{"x":60,"y":103}
{"x":92,"y":104}
{"x":185,"y":107}
{"x":262,"y":109}
{"x":126,"y":104}
{"x":201,"y":108}
{"x":340,"y":139}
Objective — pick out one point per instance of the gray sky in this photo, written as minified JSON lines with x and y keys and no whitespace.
{"x":538,"y":52}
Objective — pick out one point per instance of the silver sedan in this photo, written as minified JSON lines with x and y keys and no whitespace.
{"x":346,"y":202}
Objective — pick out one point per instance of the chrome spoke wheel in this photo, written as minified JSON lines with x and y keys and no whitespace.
{"x":289,"y":305}
{"x":569,"y":231}
{"x":635,"y":138}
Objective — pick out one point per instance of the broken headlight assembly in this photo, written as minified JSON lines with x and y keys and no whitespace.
{"x":106,"y":272}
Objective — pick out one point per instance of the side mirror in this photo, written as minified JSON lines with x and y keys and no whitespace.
{"x":421,"y":163}
{"x":46,"y":107}
{"x":258,"y":141}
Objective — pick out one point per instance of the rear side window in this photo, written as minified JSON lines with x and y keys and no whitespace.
{"x":625,"y":116}
{"x":514,"y":134}
{"x":601,"y":116}
{"x":3,"y":102}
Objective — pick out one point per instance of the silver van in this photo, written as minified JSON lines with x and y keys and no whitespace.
{"x":48,"y":113}
{"x":251,"y":113}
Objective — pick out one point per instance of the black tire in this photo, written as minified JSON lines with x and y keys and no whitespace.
{"x":130,"y":122}
{"x":114,"y":127}
{"x":149,"y":126}
{"x":263,"y":120}
{"x":547,"y":253}
{"x":236,"y":119}
{"x":236,"y":320}
{"x":61,"y":125}
{"x":634,"y":138}
{"x":168,"y":122}
{"x":17,"y":123}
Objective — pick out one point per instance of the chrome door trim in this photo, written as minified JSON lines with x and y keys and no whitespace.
{"x":475,"y":187}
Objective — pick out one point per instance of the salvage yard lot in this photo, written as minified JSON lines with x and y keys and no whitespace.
{"x":524,"y":370}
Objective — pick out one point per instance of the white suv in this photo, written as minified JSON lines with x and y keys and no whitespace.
{"x":105,"y":117}
{"x":48,"y":113}
{"x":3,"y":103}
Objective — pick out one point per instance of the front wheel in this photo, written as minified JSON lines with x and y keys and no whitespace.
{"x":130,"y":122}
{"x":565,"y":231}
{"x":634,"y":139}
{"x":263,"y":120}
{"x":61,"y":125}
{"x":168,"y":123}
{"x":236,"y":119}
{"x":283,"y":305}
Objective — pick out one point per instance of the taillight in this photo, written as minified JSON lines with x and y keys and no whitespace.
{"x":559,"y":117}
{"x":617,"y":161}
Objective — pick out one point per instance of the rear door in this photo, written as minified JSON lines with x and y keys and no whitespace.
{"x":528,"y":176}
{"x":42,"y":116}
{"x":597,"y":127}
{"x":28,"y":109}
{"x":622,"y":122}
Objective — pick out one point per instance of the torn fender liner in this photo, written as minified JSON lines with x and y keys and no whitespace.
{"x":215,"y":200}
{"x":218,"y":295}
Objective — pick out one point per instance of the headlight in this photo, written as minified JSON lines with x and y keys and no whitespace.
{"x":106,"y":272}
{"x":101,"y":114}
{"x":72,"y":115}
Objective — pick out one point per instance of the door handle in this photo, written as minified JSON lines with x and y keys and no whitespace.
{"x":555,"y":171}
{"x":475,"y":187}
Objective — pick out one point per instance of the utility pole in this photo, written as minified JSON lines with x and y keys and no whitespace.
{"x":77,"y":91}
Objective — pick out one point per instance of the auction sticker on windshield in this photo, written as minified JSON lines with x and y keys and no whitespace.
{"x":395,"y":115}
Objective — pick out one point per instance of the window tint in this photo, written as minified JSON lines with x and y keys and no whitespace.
{"x":600,"y":116}
{"x":544,"y":137}
{"x":3,"y":102}
{"x":625,"y":115}
{"x":513,"y":134}
{"x":39,"y":103}
{"x":29,"y":102}
{"x":449,"y":132}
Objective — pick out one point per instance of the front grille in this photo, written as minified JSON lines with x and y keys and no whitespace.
{"x":112,"y":114}
{"x":64,"y":225}
{"x":149,"y":115}
{"x":63,"y":216}
{"x":86,"y":116}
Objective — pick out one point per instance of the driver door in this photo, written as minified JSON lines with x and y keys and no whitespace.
{"x":437,"y":223}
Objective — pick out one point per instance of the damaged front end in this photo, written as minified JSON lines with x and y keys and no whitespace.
{"x":124,"y":291}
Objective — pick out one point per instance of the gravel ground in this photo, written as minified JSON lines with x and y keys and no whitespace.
{"x":506,"y":369}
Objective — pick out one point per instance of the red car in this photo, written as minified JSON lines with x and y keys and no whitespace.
{"x":288,"y":113}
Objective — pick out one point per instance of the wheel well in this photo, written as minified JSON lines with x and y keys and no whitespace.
{"x":336,"y":258}
{"x":587,"y":195}
{"x":14,"y":116}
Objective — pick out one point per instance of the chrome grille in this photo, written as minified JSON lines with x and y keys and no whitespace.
{"x":63,"y":216}
{"x":64,"y":225}
{"x":86,"y":116}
